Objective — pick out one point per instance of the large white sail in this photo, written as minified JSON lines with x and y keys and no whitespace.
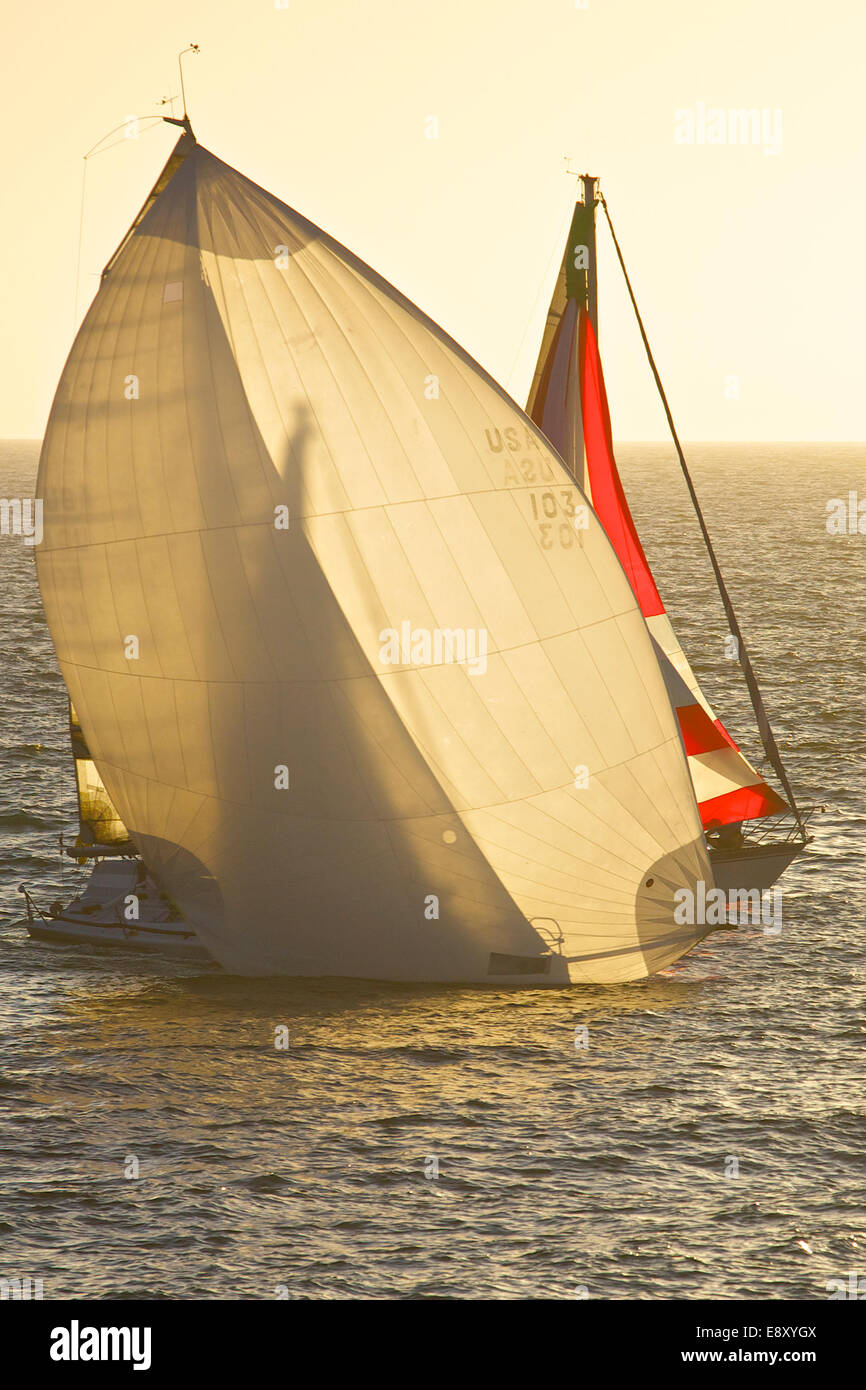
{"x":420,"y":733}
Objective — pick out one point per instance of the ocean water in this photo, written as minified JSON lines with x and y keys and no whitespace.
{"x":308,"y":1173}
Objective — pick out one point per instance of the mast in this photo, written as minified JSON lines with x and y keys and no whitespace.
{"x":184,"y":121}
{"x":589,"y":202}
{"x":557,"y":410}
{"x":581,"y":275}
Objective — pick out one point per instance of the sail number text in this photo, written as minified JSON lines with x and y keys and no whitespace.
{"x":557,"y":516}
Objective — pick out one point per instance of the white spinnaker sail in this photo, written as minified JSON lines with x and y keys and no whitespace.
{"x":237,"y":361}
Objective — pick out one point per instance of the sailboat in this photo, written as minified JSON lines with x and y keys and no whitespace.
{"x":753,"y":832}
{"x":359,"y":717}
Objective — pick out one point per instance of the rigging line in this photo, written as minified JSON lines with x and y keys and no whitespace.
{"x":124,"y":125}
{"x":96,"y":150}
{"x":123,"y":139}
{"x":556,"y":246}
{"x":767,"y":737}
{"x":78,"y":255}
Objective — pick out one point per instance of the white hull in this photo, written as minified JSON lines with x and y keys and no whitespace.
{"x":163,"y":941}
{"x":97,"y":917}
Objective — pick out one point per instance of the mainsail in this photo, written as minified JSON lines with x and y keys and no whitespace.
{"x":363,"y":712}
{"x":569,"y":402}
{"x":98,"y":821}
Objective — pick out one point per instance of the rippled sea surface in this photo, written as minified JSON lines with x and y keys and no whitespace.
{"x":309,"y":1171}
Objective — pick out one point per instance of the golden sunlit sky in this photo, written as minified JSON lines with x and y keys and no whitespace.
{"x":746,"y":257}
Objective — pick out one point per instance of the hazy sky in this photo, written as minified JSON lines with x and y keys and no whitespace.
{"x":747,"y":264}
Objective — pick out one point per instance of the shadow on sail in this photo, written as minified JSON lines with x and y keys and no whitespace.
{"x":354,"y":844}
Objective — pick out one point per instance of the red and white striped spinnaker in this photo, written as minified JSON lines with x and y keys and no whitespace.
{"x":569,"y":402}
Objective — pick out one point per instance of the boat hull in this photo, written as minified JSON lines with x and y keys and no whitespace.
{"x":162,"y":941}
{"x":96,"y":916}
{"x":757,"y":867}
